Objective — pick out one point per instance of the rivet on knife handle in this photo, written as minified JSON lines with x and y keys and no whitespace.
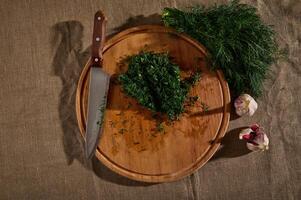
{"x":98,"y":38}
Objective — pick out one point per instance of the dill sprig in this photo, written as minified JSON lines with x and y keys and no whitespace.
{"x":160,"y":127}
{"x":154,"y":81}
{"x":102,"y":109}
{"x":240,"y":44}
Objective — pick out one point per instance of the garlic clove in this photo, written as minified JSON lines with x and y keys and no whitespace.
{"x":245,"y":105}
{"x":262,"y":145}
{"x":254,"y":127}
{"x":245,"y":134}
{"x":256,"y":139}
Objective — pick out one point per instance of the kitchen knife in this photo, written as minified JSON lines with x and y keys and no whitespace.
{"x":99,"y":86}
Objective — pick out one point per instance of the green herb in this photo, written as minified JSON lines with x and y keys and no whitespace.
{"x":205,"y":107}
{"x":155,"y":82}
{"x":192,"y":100}
{"x":241,"y":45}
{"x":102,"y":108}
{"x":160,"y":127}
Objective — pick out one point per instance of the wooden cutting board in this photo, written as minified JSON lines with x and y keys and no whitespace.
{"x":132,"y":144}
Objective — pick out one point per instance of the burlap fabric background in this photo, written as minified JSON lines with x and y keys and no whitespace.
{"x":43,"y":47}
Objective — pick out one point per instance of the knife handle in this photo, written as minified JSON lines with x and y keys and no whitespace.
{"x":98,"y":39}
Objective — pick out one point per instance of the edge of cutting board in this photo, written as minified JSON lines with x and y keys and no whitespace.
{"x":160,"y":177}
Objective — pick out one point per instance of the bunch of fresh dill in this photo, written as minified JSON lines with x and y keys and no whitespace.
{"x":155,"y":82}
{"x":240,"y":44}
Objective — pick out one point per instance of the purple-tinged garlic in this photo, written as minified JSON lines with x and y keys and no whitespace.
{"x":245,"y":105}
{"x":256,"y":139}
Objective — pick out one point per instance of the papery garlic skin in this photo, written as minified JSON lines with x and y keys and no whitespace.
{"x":256,"y":139}
{"x":245,"y":105}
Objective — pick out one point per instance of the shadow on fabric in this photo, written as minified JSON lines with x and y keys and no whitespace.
{"x":231,"y":146}
{"x":68,"y":62}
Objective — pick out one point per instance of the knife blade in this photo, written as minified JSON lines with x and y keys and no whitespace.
{"x":98,"y":88}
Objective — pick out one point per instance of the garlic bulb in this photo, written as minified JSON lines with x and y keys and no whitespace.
{"x":245,"y":105}
{"x":256,"y":139}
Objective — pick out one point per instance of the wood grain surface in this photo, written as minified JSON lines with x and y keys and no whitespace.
{"x":131,"y":143}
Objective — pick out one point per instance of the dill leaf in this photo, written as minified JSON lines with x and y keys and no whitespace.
{"x":240,"y":44}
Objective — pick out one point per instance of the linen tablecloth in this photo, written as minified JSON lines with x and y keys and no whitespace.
{"x":44,"y":45}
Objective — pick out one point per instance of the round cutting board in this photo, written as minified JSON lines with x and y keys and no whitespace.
{"x":133,"y":144}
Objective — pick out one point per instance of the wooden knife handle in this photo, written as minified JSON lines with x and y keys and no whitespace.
{"x":98,"y":39}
